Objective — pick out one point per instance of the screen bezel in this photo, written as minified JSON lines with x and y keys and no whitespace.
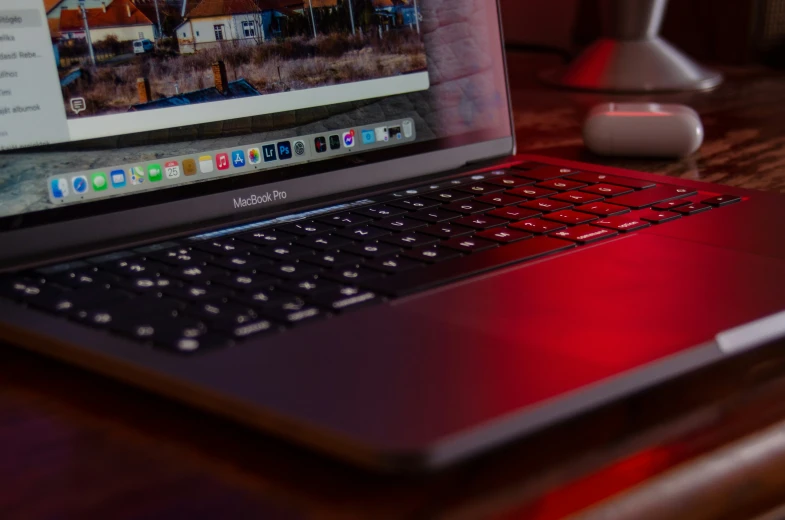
{"x":49,"y":232}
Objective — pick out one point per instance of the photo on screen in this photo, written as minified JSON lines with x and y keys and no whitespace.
{"x":418,"y":68}
{"x":120,"y":57}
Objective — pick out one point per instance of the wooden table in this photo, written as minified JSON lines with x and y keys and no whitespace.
{"x":76,"y":445}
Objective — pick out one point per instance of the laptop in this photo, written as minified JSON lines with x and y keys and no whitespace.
{"x":311,"y":219}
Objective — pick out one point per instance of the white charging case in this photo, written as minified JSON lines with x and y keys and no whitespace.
{"x":643,"y":130}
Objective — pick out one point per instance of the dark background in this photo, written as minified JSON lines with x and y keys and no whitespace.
{"x":731,"y":32}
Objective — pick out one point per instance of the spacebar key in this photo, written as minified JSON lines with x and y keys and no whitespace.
{"x":452,"y":270}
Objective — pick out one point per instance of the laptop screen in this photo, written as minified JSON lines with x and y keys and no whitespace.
{"x":116,"y":104}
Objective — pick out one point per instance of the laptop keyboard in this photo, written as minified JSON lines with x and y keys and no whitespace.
{"x":199,"y":294}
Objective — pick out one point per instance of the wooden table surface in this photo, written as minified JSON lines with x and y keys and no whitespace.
{"x":712,"y":445}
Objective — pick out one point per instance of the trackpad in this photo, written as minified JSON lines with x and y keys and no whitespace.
{"x":559,"y":324}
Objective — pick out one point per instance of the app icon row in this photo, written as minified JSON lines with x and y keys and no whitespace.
{"x":236,"y":159}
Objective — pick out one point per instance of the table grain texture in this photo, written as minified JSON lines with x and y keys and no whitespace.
{"x":710,"y":445}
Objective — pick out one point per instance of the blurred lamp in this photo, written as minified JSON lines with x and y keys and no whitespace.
{"x":632,"y":57}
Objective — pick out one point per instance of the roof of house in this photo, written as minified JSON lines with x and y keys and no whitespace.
{"x":237,"y":89}
{"x":165,"y":9}
{"x":321,"y":3}
{"x":207,"y":8}
{"x":116,"y":15}
{"x":50,"y":4}
{"x":54,"y":27}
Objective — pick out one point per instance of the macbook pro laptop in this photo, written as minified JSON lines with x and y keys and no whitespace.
{"x":311,"y":219}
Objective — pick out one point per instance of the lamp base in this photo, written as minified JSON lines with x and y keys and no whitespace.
{"x":633,"y":66}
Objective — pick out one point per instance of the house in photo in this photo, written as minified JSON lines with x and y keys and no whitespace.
{"x":213,"y":22}
{"x":396,"y":13}
{"x":120,"y":19}
{"x":55,"y":7}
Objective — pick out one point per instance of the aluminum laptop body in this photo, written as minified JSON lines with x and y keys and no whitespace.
{"x":447,"y":361}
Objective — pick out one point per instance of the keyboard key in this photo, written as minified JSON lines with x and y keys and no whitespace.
{"x":544,"y":173}
{"x":623,"y":223}
{"x":510,"y":182}
{"x":16,"y":288}
{"x":412,"y":191}
{"x":193,"y":346}
{"x":434,"y":215}
{"x":481,"y":222}
{"x":372,"y":249}
{"x":469,"y":265}
{"x":668,"y":206}
{"x":306,"y":228}
{"x":532,"y":192}
{"x":692,"y":209}
{"x":393,"y":265}
{"x":352,"y":275}
{"x":601,"y":178}
{"x":290,"y":310}
{"x":344,"y":220}
{"x":324,"y":242}
{"x":147,"y":284}
{"x":468,"y":207}
{"x":250,"y":328}
{"x":380,"y":211}
{"x":268,"y":237}
{"x":84,"y":278}
{"x":259,"y":297}
{"x":584,"y":234}
{"x":657,"y":217}
{"x":239,"y":262}
{"x":446,"y":230}
{"x":53,"y":300}
{"x":285,"y":252}
{"x":410,"y":240}
{"x":537,"y":226}
{"x":308,"y":287}
{"x":660,"y":193}
{"x":468,"y":244}
{"x":194,"y":293}
{"x":481,"y":189}
{"x":228,"y":246}
{"x":448,"y":196}
{"x":514,"y":213}
{"x":134,"y":267}
{"x":546,"y":205}
{"x":415,"y":204}
{"x":345,"y":298}
{"x":332,"y":259}
{"x":504,"y":235}
{"x":363,"y":233}
{"x":225,"y":313}
{"x":607,"y":190}
{"x":180,"y":256}
{"x":106,"y":314}
{"x":721,"y":200}
{"x":570,"y":217}
{"x":198,"y":273}
{"x":431,"y":254}
{"x":157,"y":329}
{"x":577,"y":197}
{"x":499,"y":199}
{"x":561,"y":185}
{"x":399,"y":224}
{"x":603,"y":209}
{"x":246,"y":282}
{"x":291,"y":270}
